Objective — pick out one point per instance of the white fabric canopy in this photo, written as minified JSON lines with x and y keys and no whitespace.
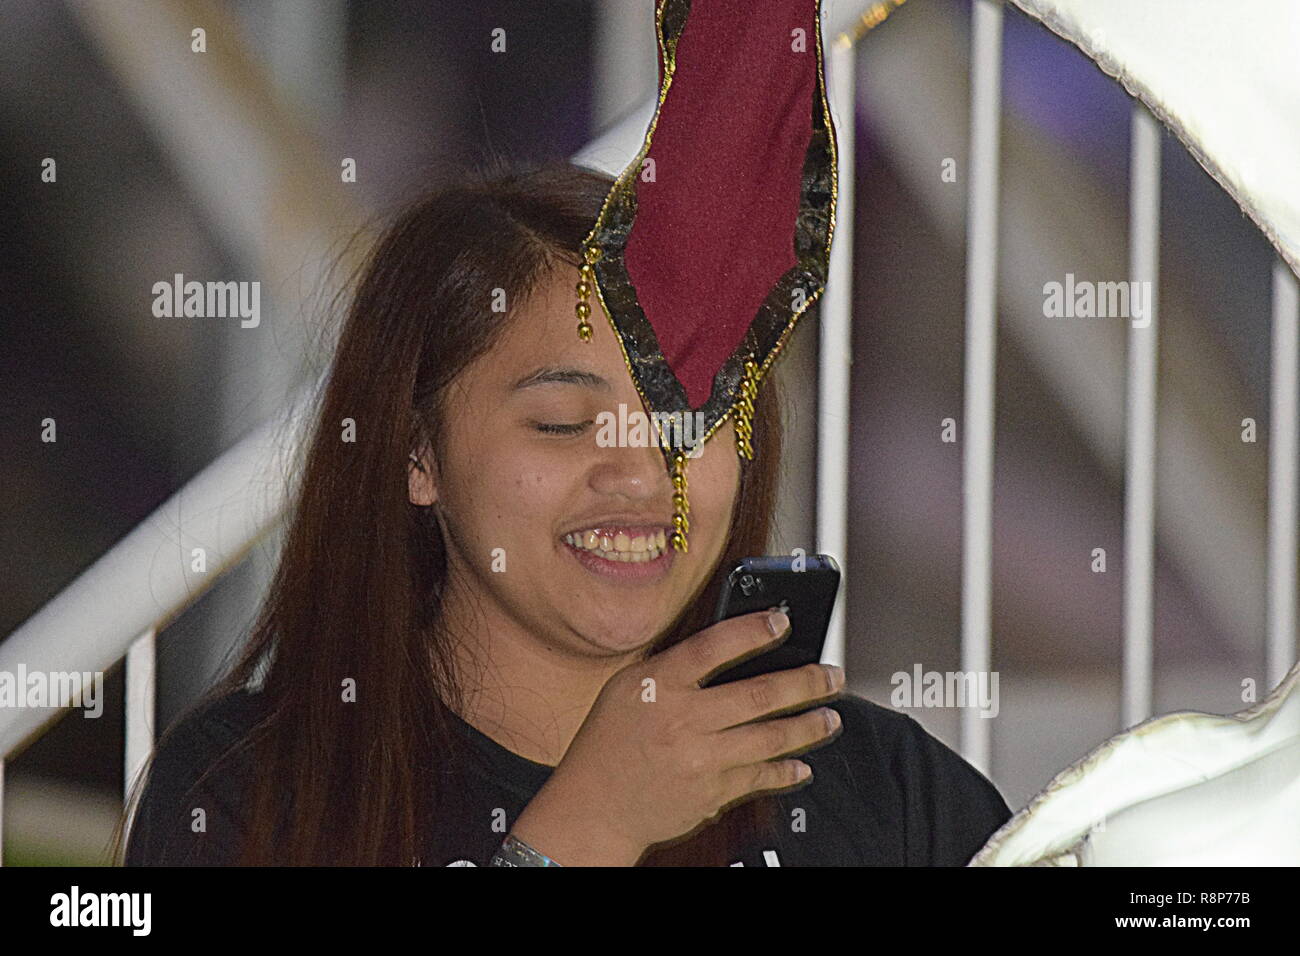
{"x":1223,"y":76}
{"x":1189,"y":788}
{"x":1186,"y":789}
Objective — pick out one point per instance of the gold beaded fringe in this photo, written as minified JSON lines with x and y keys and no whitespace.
{"x":681,"y":525}
{"x":585,"y":283}
{"x":744,"y":420}
{"x":744,"y":409}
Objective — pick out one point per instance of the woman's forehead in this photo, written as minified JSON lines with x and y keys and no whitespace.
{"x":543,"y":332}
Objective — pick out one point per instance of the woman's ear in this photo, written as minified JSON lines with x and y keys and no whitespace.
{"x":421,"y":487}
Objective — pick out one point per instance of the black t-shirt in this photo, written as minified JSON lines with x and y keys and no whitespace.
{"x":884,"y":792}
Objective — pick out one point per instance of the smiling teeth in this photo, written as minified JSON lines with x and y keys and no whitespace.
{"x":620,"y":547}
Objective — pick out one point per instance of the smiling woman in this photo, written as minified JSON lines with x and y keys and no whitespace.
{"x":478,"y":630}
{"x":520,"y":432}
{"x":386,"y":582}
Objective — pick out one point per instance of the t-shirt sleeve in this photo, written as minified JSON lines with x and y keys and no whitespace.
{"x":950,"y":808}
{"x":189,"y":812}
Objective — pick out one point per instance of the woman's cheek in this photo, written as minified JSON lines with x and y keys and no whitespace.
{"x":720,"y":474}
{"x":537,"y":489}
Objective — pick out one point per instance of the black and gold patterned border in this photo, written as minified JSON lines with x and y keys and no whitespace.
{"x":776,"y":317}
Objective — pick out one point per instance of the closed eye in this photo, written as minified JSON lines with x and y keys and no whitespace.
{"x":560,"y":428}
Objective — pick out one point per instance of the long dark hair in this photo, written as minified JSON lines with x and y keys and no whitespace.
{"x":358,"y":590}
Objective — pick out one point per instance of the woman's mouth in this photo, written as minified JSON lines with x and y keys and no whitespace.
{"x":622,"y":551}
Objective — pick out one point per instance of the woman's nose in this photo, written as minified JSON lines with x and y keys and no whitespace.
{"x":634,"y":473}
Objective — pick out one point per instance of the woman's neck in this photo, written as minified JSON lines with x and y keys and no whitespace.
{"x":526,"y":693}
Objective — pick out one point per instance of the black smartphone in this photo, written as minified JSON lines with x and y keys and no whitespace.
{"x":804,"y":587}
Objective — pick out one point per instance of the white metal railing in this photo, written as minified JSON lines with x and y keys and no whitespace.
{"x":981,"y":358}
{"x":146,"y":579}
{"x":1282,"y":483}
{"x":140,"y":697}
{"x":1140,"y":400}
{"x":1140,"y":430}
{"x":115,"y":608}
{"x":835,"y":347}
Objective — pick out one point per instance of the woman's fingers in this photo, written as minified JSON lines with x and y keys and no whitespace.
{"x":744,"y":700}
{"x":702,"y":655}
{"x":778,"y":737}
{"x":741,"y":783}
{"x":770,"y":743}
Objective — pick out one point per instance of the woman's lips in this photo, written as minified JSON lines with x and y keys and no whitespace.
{"x":636,"y":540}
{"x":622,"y":570}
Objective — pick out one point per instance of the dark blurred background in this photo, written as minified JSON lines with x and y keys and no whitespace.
{"x":226,"y":165}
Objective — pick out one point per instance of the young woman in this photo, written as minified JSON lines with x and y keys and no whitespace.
{"x":476,"y":630}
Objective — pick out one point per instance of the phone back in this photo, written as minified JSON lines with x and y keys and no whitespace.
{"x":806,"y":596}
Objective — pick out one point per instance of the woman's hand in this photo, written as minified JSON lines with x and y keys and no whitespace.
{"x":658,"y":755}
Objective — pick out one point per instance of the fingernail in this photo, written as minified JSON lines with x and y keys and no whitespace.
{"x":836,"y":675}
{"x":778,"y":623}
{"x":832,"y":718}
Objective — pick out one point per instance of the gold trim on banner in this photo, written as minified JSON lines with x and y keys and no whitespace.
{"x":768,"y":331}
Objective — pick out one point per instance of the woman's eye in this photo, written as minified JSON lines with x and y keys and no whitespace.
{"x":561,"y":429}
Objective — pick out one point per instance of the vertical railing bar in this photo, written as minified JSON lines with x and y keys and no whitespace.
{"x":1140,"y":430}
{"x":2,"y":811}
{"x":1282,"y":467}
{"x":981,"y":352}
{"x":141,"y":661}
{"x":836,"y":350}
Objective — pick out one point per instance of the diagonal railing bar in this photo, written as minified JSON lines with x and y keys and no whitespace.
{"x":147,"y":578}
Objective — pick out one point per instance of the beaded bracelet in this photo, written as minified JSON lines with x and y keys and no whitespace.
{"x":515,"y":852}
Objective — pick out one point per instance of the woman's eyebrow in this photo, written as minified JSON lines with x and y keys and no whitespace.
{"x":555,"y":375}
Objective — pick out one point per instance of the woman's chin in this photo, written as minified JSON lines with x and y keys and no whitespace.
{"x":618,"y":636}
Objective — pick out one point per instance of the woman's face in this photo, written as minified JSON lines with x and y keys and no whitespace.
{"x":538,"y":516}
